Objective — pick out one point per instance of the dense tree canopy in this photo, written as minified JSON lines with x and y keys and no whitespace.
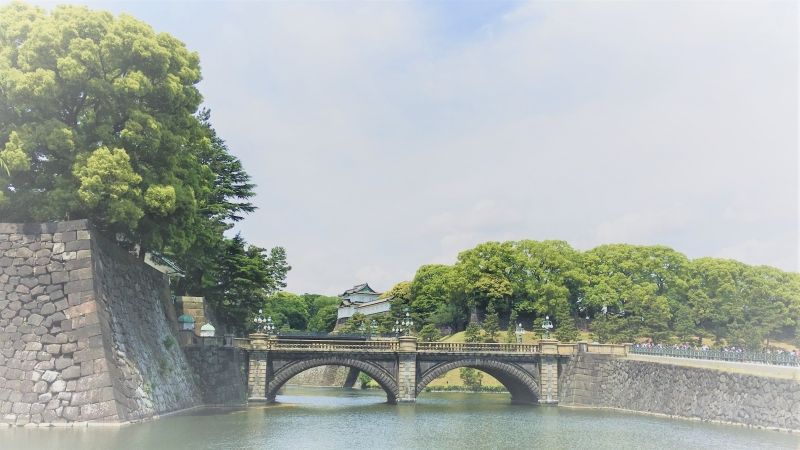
{"x":99,"y":119}
{"x":623,"y":292}
{"x":312,"y":312}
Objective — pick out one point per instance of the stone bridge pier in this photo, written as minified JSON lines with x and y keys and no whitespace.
{"x":404,"y":367}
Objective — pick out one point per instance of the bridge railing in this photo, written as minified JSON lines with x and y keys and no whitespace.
{"x":241,"y":343}
{"x":567,"y":349}
{"x":481,"y":347}
{"x":607,"y":349}
{"x":332,"y":345}
{"x":775,"y":358}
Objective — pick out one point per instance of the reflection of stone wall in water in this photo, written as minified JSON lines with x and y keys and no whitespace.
{"x":84,"y":334}
{"x":675,"y":390}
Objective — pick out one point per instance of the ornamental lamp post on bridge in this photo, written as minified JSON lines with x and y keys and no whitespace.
{"x":407,"y":323}
{"x":519,"y":333}
{"x":403,"y":326}
{"x":263,"y":325}
{"x":270,"y":326}
{"x":547,"y":325}
{"x":259,"y":320}
{"x":373,"y":328}
{"x":397,"y":329}
{"x":259,"y":339}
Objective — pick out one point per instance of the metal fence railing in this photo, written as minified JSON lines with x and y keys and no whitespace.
{"x":775,"y":358}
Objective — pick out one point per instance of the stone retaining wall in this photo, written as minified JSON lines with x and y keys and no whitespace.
{"x":675,"y":390}
{"x":321,"y":376}
{"x":83,"y":331}
{"x":151,"y":374}
{"x":221,"y":374}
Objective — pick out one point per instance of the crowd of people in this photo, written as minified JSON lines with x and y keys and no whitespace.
{"x":791,"y":357}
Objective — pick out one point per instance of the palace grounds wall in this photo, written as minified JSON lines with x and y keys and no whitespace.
{"x":84,"y":335}
{"x":221,"y":374}
{"x":681,"y":391}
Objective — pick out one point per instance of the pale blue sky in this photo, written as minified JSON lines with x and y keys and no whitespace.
{"x":387,"y":135}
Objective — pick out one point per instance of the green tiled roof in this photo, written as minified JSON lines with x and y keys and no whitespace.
{"x":185,"y":318}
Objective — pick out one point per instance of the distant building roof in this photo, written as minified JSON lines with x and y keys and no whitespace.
{"x":163,"y":264}
{"x":185,"y":318}
{"x":375,"y":302}
{"x":359,"y":289}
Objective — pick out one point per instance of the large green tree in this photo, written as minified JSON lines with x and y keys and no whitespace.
{"x":99,"y":120}
{"x":437,"y":296}
{"x":245,"y":276}
{"x":638,"y":285}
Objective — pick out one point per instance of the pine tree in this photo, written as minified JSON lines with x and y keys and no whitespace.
{"x":472,"y":333}
{"x":511,"y":334}
{"x":491,"y":325}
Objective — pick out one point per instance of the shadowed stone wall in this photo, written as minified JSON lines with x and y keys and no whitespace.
{"x":83,"y":331}
{"x":149,"y":371}
{"x":221,"y":374}
{"x":675,"y":390}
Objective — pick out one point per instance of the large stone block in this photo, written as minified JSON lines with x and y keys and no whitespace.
{"x":78,"y":286}
{"x":71,"y":373}
{"x":63,"y":363}
{"x":96,"y":411}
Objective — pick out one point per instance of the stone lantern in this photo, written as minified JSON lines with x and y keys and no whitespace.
{"x":207,"y":330}
{"x":186,"y":322}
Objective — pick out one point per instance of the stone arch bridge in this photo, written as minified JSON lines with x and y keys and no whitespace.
{"x":403,"y":367}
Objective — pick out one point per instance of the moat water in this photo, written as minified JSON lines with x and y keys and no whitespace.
{"x":326,"y":418}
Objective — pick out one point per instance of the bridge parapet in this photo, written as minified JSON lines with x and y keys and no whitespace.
{"x":334,"y":346}
{"x":549,"y":347}
{"x":476,"y":347}
{"x":604,"y":349}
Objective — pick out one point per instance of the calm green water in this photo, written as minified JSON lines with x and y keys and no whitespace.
{"x":335,"y":418}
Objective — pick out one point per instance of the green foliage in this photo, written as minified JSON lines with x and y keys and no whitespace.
{"x":366,"y":381}
{"x":160,"y":199}
{"x":243,"y":277}
{"x":435,"y":296}
{"x":99,"y":119}
{"x":100,"y":109}
{"x":491,"y":324}
{"x":169,"y":342}
{"x":511,"y":333}
{"x":13,"y":156}
{"x":429,"y":333}
{"x":357,"y":323}
{"x":288,"y":311}
{"x":471,"y":378}
{"x":322,"y":312}
{"x":628,"y":292}
{"x":109,"y":184}
{"x":472,"y":333}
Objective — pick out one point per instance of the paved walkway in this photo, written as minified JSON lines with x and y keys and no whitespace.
{"x":763,"y":370}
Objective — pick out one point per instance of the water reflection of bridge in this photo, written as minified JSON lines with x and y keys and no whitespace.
{"x":403,"y":367}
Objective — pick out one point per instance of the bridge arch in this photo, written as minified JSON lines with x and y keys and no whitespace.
{"x":384,"y":379}
{"x":519,"y":382}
